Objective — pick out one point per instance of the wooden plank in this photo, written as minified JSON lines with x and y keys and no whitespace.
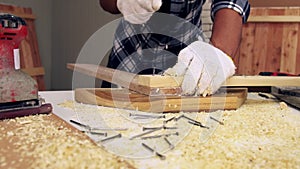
{"x":124,"y":79}
{"x":19,"y":150}
{"x":289,"y":43}
{"x":263,"y":81}
{"x":158,"y":81}
{"x":229,"y":99}
{"x":161,"y":82}
{"x":36,"y":71}
{"x":282,"y":45}
{"x":244,"y":60}
{"x":274,"y":45}
{"x":260,"y":45}
{"x":274,"y":18}
{"x":274,"y":3}
{"x":298,"y":53}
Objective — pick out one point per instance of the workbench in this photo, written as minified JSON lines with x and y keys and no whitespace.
{"x":262,"y":133}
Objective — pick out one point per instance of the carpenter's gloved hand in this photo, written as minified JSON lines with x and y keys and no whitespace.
{"x":204,"y":68}
{"x":138,"y":11}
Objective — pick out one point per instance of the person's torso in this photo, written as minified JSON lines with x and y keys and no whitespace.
{"x":157,"y":42}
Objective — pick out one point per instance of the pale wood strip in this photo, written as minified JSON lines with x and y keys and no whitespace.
{"x":274,"y":18}
{"x":263,"y":81}
{"x":118,"y":98}
{"x":158,"y":81}
{"x":124,"y":79}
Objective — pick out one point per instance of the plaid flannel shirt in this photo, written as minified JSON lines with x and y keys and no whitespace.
{"x":140,"y":48}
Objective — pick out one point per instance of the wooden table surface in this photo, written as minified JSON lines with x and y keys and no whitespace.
{"x":261,"y":134}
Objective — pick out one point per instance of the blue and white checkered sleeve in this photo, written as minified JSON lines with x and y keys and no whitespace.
{"x":240,"y":6}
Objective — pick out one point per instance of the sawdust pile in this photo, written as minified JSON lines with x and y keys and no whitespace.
{"x":40,"y":142}
{"x":260,"y":134}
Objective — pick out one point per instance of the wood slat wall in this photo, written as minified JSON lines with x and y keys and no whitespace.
{"x":29,"y":50}
{"x":269,"y":42}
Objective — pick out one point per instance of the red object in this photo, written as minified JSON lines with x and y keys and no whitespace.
{"x":276,"y":74}
{"x":12,"y":31}
{"x":15,"y":85}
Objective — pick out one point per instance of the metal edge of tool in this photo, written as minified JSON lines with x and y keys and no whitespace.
{"x":287,"y":97}
{"x":43,"y":109}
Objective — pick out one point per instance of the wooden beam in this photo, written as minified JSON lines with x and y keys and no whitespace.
{"x":274,"y":18}
{"x":228,"y":99}
{"x":162,"y":81}
{"x":124,"y":79}
{"x":34,"y":71}
{"x":263,"y":81}
{"x":148,"y":83}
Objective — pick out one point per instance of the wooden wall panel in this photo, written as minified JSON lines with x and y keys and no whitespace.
{"x":274,"y":46}
{"x":270,"y":42}
{"x":274,"y":3}
{"x":289,"y":44}
{"x":29,"y":52}
{"x":246,"y":55}
{"x":260,"y":44}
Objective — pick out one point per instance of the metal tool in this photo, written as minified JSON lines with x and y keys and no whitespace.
{"x":290,"y":95}
{"x":18,"y":91}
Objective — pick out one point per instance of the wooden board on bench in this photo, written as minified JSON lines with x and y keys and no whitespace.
{"x":226,"y":99}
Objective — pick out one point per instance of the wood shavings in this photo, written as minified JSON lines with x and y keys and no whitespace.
{"x":283,"y":106}
{"x":258,"y":135}
{"x":46,"y":143}
{"x":10,"y":133}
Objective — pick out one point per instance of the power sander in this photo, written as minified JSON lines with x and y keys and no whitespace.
{"x":18,"y":90}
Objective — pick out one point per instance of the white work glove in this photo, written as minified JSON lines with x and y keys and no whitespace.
{"x":138,"y":11}
{"x":204,"y":68}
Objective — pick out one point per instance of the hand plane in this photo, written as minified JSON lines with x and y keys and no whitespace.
{"x":18,"y":90}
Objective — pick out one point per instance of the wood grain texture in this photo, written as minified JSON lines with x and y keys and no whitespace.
{"x":141,"y":84}
{"x":19,"y":150}
{"x":274,"y":18}
{"x":229,"y":99}
{"x":289,"y":43}
{"x":36,"y":71}
{"x":274,"y":46}
{"x":260,"y":44}
{"x":263,"y":81}
{"x":164,"y":83}
{"x":270,"y":43}
{"x":246,"y":52}
{"x":29,"y":50}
